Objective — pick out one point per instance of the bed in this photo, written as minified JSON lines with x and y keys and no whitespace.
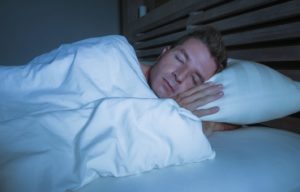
{"x":257,"y":157}
{"x":248,"y":159}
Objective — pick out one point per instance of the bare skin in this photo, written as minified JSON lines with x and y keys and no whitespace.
{"x":199,"y":96}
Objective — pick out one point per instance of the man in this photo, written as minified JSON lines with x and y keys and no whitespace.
{"x":88,"y":110}
{"x":180,"y":73}
{"x":182,"y":70}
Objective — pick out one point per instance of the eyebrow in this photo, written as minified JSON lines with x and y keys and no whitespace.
{"x":188,"y":58}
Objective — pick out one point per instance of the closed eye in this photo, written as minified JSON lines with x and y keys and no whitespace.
{"x":178,"y":58}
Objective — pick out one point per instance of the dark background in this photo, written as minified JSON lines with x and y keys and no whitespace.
{"x":32,"y":27}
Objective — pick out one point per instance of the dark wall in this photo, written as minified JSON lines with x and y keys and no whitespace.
{"x":32,"y":27}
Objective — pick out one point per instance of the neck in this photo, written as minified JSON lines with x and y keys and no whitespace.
{"x":146,"y":71}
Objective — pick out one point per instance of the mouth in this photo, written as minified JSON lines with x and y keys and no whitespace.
{"x":168,"y":85}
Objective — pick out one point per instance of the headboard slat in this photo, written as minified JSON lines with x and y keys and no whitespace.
{"x":262,"y":16}
{"x":228,"y":9}
{"x":278,"y":32}
{"x":269,"y":54}
{"x":169,"y":28}
{"x":160,"y":40}
{"x":149,"y":52}
{"x":170,"y":11}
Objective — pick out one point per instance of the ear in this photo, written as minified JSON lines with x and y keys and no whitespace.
{"x":165,"y":50}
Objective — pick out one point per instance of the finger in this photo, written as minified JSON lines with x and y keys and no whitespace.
{"x":209,"y":91}
{"x":203,"y":101}
{"x":227,"y":126}
{"x":196,"y":89}
{"x":192,"y":106}
{"x":204,"y":112}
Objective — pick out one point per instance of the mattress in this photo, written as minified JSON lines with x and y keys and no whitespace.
{"x":247,"y":159}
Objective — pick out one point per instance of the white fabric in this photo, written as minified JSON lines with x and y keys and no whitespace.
{"x":84,"y":111}
{"x":253,"y":93}
{"x":249,"y":159}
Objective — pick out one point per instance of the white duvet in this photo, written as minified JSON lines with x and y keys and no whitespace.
{"x":85,"y":110}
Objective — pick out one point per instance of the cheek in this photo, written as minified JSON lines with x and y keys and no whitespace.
{"x":159,"y":89}
{"x":188,"y":84}
{"x":159,"y":70}
{"x":155,"y":79}
{"x":154,"y":75}
{"x":209,"y":70}
{"x":166,"y":64}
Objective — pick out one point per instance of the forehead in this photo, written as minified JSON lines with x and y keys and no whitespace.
{"x":199,"y":57}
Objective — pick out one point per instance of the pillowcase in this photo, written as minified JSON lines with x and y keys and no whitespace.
{"x":253,"y":93}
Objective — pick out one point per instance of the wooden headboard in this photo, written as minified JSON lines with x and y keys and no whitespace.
{"x":265,"y":31}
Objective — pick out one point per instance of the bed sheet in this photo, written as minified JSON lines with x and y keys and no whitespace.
{"x":247,"y":159}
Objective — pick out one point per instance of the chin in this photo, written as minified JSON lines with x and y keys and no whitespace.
{"x":163,"y":94}
{"x":160,"y":95}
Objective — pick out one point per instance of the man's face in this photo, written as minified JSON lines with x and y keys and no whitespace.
{"x":181,"y":68}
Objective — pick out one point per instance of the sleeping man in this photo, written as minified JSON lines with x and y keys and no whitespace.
{"x":85,"y":71}
{"x":90,"y":109}
{"x":182,"y":70}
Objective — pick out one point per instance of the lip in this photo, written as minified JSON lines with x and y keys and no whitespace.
{"x":169,"y":86}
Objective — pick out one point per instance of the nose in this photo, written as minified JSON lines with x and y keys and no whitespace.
{"x":180,"y":75}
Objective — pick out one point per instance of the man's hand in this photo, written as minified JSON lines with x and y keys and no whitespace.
{"x":200,"y":96}
{"x":210,"y":127}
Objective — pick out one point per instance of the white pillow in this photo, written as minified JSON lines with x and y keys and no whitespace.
{"x":253,"y":93}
